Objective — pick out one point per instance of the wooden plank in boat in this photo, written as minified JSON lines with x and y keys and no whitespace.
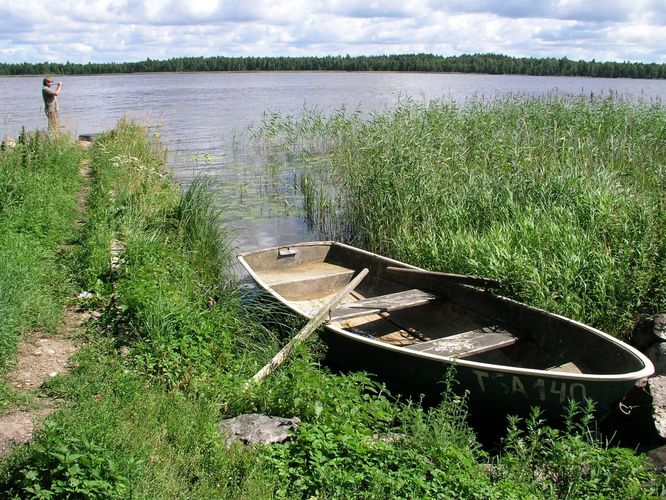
{"x":307,"y":281}
{"x":467,"y":343}
{"x":566,"y":367}
{"x":314,"y":270}
{"x":382,"y":303}
{"x":378,"y":326}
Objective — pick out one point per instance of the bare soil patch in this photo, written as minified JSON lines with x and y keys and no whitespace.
{"x":39,"y":358}
{"x":17,"y":426}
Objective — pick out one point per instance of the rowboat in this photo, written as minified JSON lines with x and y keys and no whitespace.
{"x":408,"y":326}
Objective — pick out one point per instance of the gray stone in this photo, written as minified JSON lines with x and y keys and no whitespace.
{"x":657,"y":354}
{"x":257,"y":429}
{"x":659,"y":326}
{"x":657,"y":458}
{"x":649,"y":331}
{"x":657,"y":388}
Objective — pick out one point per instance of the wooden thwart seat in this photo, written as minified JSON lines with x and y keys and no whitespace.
{"x":466,"y":344}
{"x":314,"y":270}
{"x":382,"y":303}
{"x":308,"y":281}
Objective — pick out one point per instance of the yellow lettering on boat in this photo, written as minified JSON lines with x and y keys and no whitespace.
{"x":517,"y":386}
{"x":540,"y":386}
{"x":498,"y":378}
{"x":480,"y":376}
{"x":561,"y":390}
{"x":499,"y":383}
{"x":582,"y":392}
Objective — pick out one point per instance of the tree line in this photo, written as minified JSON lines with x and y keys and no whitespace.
{"x":496,"y":64}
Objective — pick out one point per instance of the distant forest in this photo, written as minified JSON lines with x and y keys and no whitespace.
{"x":496,"y":64}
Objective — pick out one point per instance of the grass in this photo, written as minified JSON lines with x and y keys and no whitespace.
{"x":177,"y":340}
{"x":561,"y":199}
{"x":38,"y":185}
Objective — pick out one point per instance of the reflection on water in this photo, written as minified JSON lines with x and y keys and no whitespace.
{"x":201,"y":119}
{"x":257,"y":191}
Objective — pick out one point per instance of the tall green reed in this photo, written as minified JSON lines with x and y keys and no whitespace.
{"x":198,"y":219}
{"x":561,"y":198}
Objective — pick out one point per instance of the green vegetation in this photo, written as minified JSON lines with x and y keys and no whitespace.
{"x":560,"y":199}
{"x":177,"y":340}
{"x":38,"y":185}
{"x":496,"y":64}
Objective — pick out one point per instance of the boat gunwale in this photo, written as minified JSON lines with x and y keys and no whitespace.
{"x":646,"y":371}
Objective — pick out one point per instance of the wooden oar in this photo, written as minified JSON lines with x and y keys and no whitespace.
{"x":429,"y":279}
{"x":307,"y":330}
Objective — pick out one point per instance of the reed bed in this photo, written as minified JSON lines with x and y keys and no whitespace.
{"x":560,"y":198}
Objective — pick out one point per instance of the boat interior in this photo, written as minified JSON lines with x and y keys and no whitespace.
{"x":438,"y":318}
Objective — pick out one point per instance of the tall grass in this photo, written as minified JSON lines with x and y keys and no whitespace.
{"x":38,"y":184}
{"x":198,"y":220}
{"x":173,"y":261}
{"x":561,"y":199}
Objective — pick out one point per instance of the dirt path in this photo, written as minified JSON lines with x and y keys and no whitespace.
{"x":42,"y":356}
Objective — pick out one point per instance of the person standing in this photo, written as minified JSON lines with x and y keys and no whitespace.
{"x":51,"y":102}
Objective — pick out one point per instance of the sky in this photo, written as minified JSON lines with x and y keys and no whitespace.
{"x":84,"y":31}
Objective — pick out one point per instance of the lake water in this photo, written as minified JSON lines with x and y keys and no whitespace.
{"x":201,"y":118}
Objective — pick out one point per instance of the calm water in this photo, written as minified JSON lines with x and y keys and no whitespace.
{"x":201,"y":116}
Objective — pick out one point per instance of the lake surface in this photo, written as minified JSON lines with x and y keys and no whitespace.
{"x":201,"y":119}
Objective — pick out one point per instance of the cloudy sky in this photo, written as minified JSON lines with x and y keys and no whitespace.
{"x":131,"y":30}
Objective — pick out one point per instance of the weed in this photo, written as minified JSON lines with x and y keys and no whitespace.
{"x":571,"y":464}
{"x":359,"y":440}
{"x":63,"y":467}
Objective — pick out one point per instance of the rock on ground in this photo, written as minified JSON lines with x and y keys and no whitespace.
{"x":657,"y":354}
{"x":257,"y":429}
{"x":657,"y":387}
{"x":657,"y":459}
{"x":649,"y":331}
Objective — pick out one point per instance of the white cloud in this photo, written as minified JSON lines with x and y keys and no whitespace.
{"x":372,"y":9}
{"x":129,"y":30}
{"x":580,"y":10}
